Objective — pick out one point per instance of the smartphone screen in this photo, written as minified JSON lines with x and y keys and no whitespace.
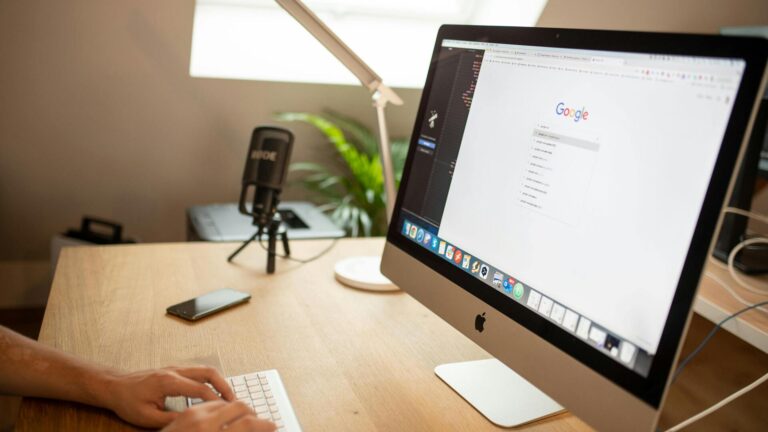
{"x":207,"y":304}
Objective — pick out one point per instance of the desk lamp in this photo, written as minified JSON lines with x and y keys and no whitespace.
{"x":361,"y":271}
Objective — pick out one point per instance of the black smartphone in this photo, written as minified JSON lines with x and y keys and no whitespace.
{"x":207,"y":304}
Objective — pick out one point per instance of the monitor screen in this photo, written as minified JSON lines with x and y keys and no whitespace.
{"x":570,"y":181}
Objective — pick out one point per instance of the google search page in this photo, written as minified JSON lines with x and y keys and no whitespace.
{"x":584,"y":175}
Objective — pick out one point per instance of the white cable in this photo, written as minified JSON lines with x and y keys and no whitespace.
{"x":732,"y":257}
{"x":719,"y":405}
{"x":717,"y":262}
{"x":746,"y":286}
{"x":749,"y":214}
{"x":732,"y":292}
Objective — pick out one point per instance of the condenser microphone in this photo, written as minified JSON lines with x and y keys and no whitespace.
{"x":266,"y":168}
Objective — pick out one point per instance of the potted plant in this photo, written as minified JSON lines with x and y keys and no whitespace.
{"x":354,"y":198}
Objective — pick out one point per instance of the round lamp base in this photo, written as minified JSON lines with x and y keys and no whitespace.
{"x":362,"y":272}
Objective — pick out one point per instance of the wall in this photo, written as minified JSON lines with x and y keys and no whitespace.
{"x":682,"y":16}
{"x":99,"y":116}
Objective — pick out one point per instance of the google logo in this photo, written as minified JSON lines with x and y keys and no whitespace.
{"x":573,"y":113}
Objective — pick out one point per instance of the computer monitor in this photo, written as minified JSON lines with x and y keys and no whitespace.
{"x":558,"y":203}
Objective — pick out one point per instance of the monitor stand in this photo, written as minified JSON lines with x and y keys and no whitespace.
{"x":501,"y":395}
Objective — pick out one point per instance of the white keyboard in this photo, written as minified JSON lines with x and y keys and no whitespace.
{"x":264,"y":392}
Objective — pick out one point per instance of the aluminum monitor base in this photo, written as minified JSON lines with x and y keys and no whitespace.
{"x":501,"y":395}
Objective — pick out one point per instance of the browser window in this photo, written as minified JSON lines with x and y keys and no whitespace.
{"x":551,"y":173}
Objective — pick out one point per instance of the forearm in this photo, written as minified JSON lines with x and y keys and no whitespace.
{"x":29,"y":368}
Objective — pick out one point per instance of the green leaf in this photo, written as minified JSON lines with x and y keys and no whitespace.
{"x":317,"y":177}
{"x":330,"y":181}
{"x":360,"y":134}
{"x":354,"y":215}
{"x":365,"y":221}
{"x":399,"y":151}
{"x":306,"y":166}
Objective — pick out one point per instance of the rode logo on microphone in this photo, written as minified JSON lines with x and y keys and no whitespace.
{"x":264,"y":155}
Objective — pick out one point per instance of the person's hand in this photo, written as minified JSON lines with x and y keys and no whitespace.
{"x":139,"y":397}
{"x":219,"y":415}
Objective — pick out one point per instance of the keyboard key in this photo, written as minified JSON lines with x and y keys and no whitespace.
{"x":239,"y":388}
{"x":273,"y":409}
{"x":259,"y":401}
{"x":268,"y":395}
{"x":271,"y":401}
{"x":242,"y":395}
{"x":266,"y":388}
{"x":279,"y":423}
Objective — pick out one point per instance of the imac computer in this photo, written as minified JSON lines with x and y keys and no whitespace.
{"x":558,"y":203}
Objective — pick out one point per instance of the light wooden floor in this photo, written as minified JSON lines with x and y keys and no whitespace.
{"x":723,"y":367}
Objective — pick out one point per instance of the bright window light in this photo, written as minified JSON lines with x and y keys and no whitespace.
{"x":258,"y":40}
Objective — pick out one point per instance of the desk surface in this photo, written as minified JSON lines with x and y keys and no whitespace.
{"x":350,"y":360}
{"x":715,"y":303}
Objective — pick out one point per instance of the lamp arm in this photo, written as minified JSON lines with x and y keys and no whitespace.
{"x":380,"y":93}
{"x":387,"y":168}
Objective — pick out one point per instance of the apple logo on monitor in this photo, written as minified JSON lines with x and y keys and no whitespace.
{"x":480,"y":322}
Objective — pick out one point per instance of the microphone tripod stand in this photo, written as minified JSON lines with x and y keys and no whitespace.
{"x":275,"y":229}
{"x":266,"y":167}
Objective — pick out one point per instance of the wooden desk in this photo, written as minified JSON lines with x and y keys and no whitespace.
{"x":715,"y":303}
{"x":350,"y":360}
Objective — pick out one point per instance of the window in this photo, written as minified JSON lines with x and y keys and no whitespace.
{"x":258,"y":40}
